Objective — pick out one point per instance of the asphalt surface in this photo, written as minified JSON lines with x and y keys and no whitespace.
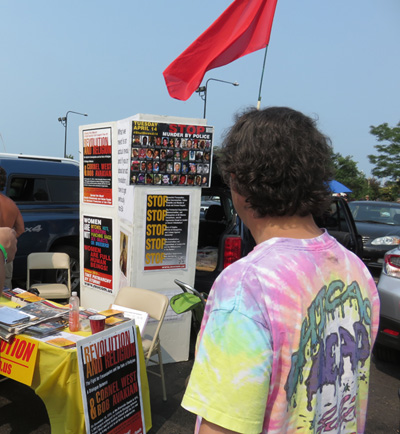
{"x":23,"y":412}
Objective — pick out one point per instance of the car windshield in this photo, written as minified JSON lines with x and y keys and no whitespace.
{"x":376,"y":213}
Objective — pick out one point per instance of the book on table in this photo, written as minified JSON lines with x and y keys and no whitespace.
{"x":12,"y":322}
{"x":113,"y":316}
{"x":47,"y":328}
{"x":43,"y":310}
{"x":114,"y":320}
{"x":86,"y":313}
{"x":61,"y":342}
{"x":21,"y":295}
{"x":111,"y":312}
{"x":6,"y":335}
{"x":11,"y":317}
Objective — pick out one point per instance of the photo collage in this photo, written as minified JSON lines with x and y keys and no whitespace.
{"x":162,"y":156}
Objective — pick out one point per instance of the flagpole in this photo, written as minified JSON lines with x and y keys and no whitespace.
{"x":262,"y":76}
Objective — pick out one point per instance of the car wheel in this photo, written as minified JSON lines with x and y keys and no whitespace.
{"x":61,"y":276}
{"x":386,"y":354}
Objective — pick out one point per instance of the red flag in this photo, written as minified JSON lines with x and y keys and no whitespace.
{"x":242,"y":28}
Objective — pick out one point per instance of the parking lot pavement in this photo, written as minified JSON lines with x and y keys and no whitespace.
{"x":22,"y":412}
{"x":383,"y":414}
{"x":169,"y":417}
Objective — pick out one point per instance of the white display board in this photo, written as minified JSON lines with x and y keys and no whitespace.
{"x":141,"y":180}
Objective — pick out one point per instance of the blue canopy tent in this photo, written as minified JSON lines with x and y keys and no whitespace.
{"x":337,"y":187}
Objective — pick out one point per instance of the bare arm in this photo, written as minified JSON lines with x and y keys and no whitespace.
{"x":19,"y":225}
{"x":8,"y":240}
{"x":210,"y":428}
{"x":2,"y":276}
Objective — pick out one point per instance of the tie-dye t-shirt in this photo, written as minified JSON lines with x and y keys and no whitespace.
{"x":286,"y":340}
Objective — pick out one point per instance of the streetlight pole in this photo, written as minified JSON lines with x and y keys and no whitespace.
{"x":64,"y":121}
{"x":202,"y":91}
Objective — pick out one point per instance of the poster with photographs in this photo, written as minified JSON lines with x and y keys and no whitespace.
{"x":171,"y":154}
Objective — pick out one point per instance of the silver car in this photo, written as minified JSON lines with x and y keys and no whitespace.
{"x":388,"y":341}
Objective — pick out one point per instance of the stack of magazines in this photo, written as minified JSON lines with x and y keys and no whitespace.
{"x":27,"y":319}
{"x":21,"y":296}
{"x":47,"y":328}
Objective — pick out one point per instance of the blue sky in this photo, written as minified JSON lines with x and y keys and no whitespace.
{"x":337,"y":60}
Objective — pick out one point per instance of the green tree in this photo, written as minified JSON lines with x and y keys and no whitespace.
{"x":387,"y":162}
{"x":389,"y":192}
{"x":374,"y":189}
{"x":346,"y":172}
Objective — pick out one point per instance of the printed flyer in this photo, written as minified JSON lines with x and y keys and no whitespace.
{"x":125,"y":189}
{"x":167,"y":218}
{"x":171,"y":154}
{"x":109,"y":373}
{"x":97,"y":166}
{"x":97,"y":245}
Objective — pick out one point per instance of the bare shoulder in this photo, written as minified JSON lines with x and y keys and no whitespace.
{"x":5,"y":200}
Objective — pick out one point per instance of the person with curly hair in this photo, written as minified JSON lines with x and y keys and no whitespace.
{"x":10,"y":217}
{"x":286,"y":338}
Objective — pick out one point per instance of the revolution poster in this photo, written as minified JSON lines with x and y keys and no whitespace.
{"x":97,"y":166}
{"x":97,"y":245}
{"x":170,"y":154}
{"x":109,"y":373}
{"x":167,"y":218}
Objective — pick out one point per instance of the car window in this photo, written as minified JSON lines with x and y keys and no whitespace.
{"x":35,"y":189}
{"x":64,"y":190}
{"x":377,"y":213}
{"x":23,"y":189}
{"x":334,"y":219}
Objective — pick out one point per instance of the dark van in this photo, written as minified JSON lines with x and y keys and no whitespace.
{"x":46,"y":190}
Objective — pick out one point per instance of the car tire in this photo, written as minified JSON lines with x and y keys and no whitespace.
{"x":73,"y":253}
{"x":386,"y":354}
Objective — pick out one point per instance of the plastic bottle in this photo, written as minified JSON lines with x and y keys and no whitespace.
{"x":74,"y":312}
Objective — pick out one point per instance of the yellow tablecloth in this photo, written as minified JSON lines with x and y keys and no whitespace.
{"x":56,"y":381}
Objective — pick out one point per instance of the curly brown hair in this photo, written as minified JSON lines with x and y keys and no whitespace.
{"x":280,"y":161}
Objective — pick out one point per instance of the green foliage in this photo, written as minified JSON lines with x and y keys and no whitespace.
{"x":387,"y":162}
{"x":346,"y":172}
{"x":374,"y":189}
{"x":389,"y":192}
